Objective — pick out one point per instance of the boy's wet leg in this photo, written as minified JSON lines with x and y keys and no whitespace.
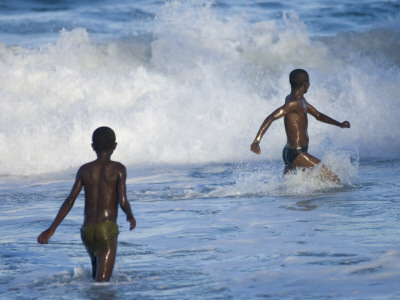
{"x":94,"y":265}
{"x":105,"y":261}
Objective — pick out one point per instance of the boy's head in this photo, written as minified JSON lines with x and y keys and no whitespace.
{"x":103,"y":139}
{"x":297,"y":78}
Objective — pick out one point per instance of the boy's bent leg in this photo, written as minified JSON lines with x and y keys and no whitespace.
{"x":105,"y":261}
{"x":328,"y":174}
{"x":306,"y":160}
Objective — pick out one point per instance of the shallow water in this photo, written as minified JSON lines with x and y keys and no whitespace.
{"x":197,"y":238}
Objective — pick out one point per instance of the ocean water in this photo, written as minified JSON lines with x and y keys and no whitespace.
{"x":186,"y":85}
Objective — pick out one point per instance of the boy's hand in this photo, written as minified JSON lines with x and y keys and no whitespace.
{"x":133,"y":223}
{"x":44,"y":237}
{"x":255,"y":147}
{"x":345,"y":124}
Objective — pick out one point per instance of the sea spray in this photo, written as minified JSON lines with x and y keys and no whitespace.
{"x":266,"y":178}
{"x":195,"y":90}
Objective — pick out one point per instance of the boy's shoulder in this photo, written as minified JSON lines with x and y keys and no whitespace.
{"x":119,"y":167}
{"x":293,"y":103}
{"x":87,"y":165}
{"x":91,"y":165}
{"x":117,"y":164}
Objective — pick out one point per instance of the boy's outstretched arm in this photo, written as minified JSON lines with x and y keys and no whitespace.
{"x":123,"y":200}
{"x":277,"y":114}
{"x":324,"y":118}
{"x":65,"y":208}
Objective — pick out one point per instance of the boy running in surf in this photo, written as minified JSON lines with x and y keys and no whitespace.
{"x":104,"y":184}
{"x":295,"y":110}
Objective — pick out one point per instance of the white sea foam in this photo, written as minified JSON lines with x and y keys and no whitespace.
{"x":267,"y":178}
{"x":195,"y":90}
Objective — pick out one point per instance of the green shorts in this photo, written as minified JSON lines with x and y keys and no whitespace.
{"x":96,"y":237}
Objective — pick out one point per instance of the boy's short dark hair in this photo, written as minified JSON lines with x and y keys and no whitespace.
{"x":297,"y":78}
{"x":103,"y":139}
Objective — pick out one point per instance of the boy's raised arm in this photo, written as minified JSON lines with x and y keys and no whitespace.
{"x":123,"y":200}
{"x":65,"y":208}
{"x":324,"y":118}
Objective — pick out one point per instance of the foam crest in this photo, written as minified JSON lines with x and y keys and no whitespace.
{"x":194,"y":90}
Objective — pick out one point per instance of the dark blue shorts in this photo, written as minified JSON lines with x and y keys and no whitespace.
{"x":289,"y":155}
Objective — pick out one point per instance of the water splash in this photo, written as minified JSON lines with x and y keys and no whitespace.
{"x":195,"y":90}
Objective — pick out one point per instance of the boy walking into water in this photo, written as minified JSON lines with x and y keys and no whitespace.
{"x":295,"y":110}
{"x":104,"y":184}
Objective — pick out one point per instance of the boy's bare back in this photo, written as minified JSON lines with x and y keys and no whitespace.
{"x":103,"y":181}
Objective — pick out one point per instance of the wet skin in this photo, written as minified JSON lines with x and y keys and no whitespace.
{"x":104,"y":184}
{"x":295,"y":112}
